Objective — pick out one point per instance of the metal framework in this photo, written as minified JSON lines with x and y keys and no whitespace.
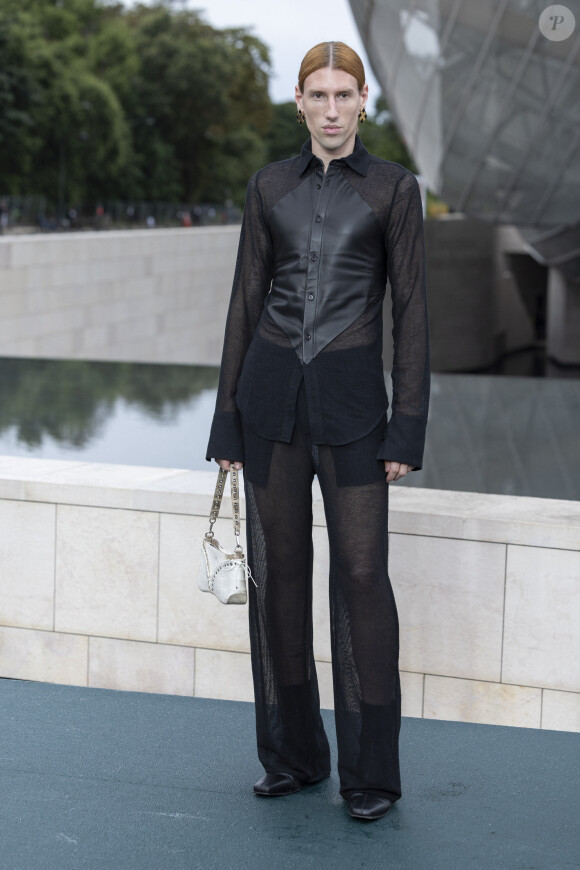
{"x":492,"y":114}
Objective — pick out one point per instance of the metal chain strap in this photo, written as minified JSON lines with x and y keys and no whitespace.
{"x":235,"y":501}
{"x":217,"y":501}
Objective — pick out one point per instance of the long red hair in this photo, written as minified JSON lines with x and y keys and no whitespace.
{"x":335,"y":55}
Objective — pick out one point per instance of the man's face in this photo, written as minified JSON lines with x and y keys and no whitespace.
{"x":331,"y":103}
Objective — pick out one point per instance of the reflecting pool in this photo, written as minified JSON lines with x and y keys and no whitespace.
{"x":509,"y":435}
{"x":486,"y":433}
{"x":125,"y":413}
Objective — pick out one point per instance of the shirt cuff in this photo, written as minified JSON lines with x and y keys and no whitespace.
{"x":404,"y":440}
{"x":226,"y":440}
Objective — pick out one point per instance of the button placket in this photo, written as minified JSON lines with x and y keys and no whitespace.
{"x":320,"y":206}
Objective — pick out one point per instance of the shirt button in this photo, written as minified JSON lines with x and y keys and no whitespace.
{"x":318,"y":218}
{"x":311,"y":296}
{"x":313,"y":257}
{"x":318,"y":186}
{"x":307,"y":336}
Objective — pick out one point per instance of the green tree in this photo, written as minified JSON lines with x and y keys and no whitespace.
{"x":98,"y":100}
{"x":201,"y":97}
{"x":62,"y":128}
{"x":285,"y":137}
{"x":382,"y":138}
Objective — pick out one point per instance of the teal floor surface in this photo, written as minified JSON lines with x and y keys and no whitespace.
{"x":105,"y":780}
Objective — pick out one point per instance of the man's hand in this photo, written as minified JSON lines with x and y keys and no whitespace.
{"x":396,"y":470}
{"x":226,"y":464}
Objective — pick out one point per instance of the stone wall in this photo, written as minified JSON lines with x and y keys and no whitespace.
{"x":98,"y":587}
{"x":135,"y":295}
{"x":162,"y":295}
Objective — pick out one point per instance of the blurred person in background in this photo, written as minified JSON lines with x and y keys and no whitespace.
{"x":4,"y":216}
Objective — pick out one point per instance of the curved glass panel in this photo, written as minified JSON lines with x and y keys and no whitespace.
{"x":487,"y":104}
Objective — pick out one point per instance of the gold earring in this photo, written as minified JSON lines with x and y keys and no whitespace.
{"x":300,"y":116}
{"x":362,"y":115}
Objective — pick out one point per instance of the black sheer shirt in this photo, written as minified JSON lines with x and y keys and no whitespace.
{"x":315,"y":252}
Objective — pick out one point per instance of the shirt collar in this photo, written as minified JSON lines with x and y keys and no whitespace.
{"x":357,"y":160}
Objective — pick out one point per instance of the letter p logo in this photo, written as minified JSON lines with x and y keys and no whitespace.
{"x":557,"y":23}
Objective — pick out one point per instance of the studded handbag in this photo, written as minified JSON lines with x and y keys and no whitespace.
{"x":221,"y":572}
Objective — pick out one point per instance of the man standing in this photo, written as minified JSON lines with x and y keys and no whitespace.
{"x":302,"y":393}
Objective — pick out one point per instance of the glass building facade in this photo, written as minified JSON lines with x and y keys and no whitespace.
{"x":486,"y":94}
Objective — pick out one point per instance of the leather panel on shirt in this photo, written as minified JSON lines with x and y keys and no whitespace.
{"x":330,"y":261}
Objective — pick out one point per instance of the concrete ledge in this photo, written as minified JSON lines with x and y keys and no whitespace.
{"x":99,"y":588}
{"x":535,"y":522}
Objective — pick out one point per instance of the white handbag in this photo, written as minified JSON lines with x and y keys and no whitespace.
{"x":222,"y":573}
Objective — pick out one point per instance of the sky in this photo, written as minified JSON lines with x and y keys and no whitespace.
{"x":289,"y":28}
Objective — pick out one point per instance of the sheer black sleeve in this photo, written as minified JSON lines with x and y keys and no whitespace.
{"x":405,"y":437}
{"x":252,"y":279}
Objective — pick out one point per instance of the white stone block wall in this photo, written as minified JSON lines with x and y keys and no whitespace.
{"x":98,"y":587}
{"x":161,"y":296}
{"x":132,"y":295}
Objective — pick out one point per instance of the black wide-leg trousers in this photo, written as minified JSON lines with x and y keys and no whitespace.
{"x":363,"y":615}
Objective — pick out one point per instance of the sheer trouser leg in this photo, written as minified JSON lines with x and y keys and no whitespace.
{"x":290,"y":733}
{"x":364,"y":635}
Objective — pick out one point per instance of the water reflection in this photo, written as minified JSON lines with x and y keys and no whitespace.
{"x":506,"y":435}
{"x":486,"y":433}
{"x":68,"y":404}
